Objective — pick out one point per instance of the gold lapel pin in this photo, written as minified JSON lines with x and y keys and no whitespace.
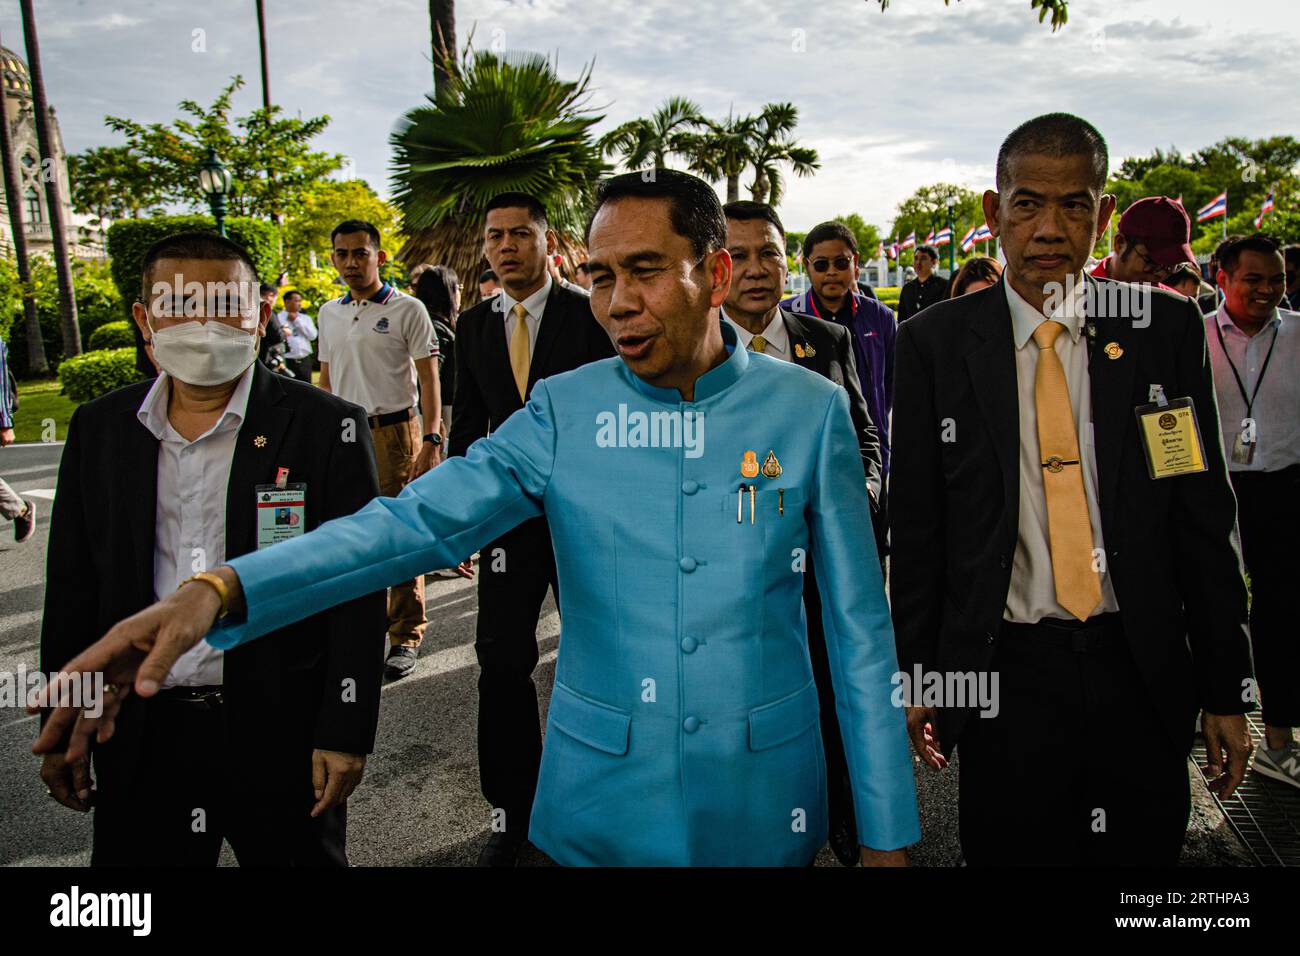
{"x":260,"y":441}
{"x":809,"y":351}
{"x":1113,"y":351}
{"x":771,"y":467}
{"x":798,"y":349}
{"x":749,"y":465}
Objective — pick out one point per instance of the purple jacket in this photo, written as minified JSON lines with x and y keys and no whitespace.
{"x":872,"y":329}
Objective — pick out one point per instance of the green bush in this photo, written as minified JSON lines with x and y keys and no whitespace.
{"x":92,"y":374}
{"x":97,"y":303}
{"x":112,"y":335}
{"x":130,"y":239}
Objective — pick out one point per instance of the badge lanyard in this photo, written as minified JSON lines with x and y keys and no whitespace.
{"x":1250,"y":401}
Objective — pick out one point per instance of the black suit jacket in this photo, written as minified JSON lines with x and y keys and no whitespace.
{"x":1171,"y":545}
{"x":832,"y":358}
{"x":284,"y":694}
{"x":568,"y":338}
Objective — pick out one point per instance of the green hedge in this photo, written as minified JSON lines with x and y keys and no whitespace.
{"x":97,"y":303}
{"x":92,"y":374}
{"x":112,"y":335}
{"x":130,"y":239}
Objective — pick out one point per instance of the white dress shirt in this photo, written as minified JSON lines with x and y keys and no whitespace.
{"x":1277,"y":406}
{"x":190,"y":513}
{"x":1032,"y":595}
{"x":299,"y":332}
{"x":535,"y":305}
{"x":777,"y":335}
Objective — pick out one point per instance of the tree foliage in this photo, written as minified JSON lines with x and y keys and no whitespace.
{"x":322,"y":207}
{"x":169,"y":154}
{"x":1057,"y":9}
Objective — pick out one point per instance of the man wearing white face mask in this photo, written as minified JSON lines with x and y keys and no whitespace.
{"x":160,"y":481}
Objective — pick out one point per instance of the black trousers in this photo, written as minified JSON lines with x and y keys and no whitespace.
{"x":189,"y":787}
{"x":301,"y":368}
{"x":509,"y":605}
{"x":1268,"y":516}
{"x":1075,"y":768}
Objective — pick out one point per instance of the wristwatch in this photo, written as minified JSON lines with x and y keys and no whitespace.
{"x":434,"y":439}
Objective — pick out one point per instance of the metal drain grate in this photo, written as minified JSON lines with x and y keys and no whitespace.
{"x":1264,"y":813}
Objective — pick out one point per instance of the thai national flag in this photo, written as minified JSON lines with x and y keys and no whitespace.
{"x":1264,"y":210}
{"x":929,"y":239}
{"x":982,"y":234}
{"x":893,"y":250}
{"x":968,"y":240}
{"x":909,"y":242}
{"x":1217,"y":207}
{"x":942,"y":237}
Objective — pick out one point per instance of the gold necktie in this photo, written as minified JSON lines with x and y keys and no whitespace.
{"x":1078,"y":587}
{"x":519,"y":350}
{"x":758,"y":344}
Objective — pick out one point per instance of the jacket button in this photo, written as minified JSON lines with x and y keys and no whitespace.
{"x":691,"y":724}
{"x":687,"y":564}
{"x":689,"y":644}
{"x":690,"y":486}
{"x":1003,"y":564}
{"x":990,"y":637}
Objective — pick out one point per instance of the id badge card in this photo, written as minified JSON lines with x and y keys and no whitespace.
{"x":281,"y":513}
{"x":1171,"y":438}
{"x":1243,"y":451}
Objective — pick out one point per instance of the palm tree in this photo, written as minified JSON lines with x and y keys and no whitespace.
{"x":648,"y":141}
{"x":772,"y":146}
{"x":502,"y":122}
{"x":722,"y":152}
{"x":442,"y":27}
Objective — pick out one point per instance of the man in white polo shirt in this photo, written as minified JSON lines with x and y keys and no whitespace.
{"x":376,"y":346}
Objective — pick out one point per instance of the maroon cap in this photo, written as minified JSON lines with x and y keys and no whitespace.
{"x":1163,"y":226}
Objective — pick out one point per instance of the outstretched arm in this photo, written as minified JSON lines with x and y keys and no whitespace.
{"x":437,"y":519}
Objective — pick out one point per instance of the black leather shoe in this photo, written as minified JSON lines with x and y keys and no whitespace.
{"x":401,"y":661}
{"x":501,"y":849}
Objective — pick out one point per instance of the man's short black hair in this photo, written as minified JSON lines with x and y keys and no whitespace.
{"x":264,"y":288}
{"x":487,"y":275}
{"x":292,"y":292}
{"x":825,"y":232}
{"x":349,"y":226}
{"x":1291,"y":254}
{"x":193,"y":245}
{"x":1056,"y":135}
{"x":517,"y":200}
{"x":931,"y":251}
{"x":693,"y":207}
{"x":746,"y":210}
{"x":1230,"y":251}
{"x":584,"y":268}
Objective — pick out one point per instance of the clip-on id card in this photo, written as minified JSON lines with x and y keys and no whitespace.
{"x":281,"y":512}
{"x":1171,"y":438}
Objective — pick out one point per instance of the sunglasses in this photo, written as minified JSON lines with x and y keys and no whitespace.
{"x":840,"y":262}
{"x":1155,"y":268}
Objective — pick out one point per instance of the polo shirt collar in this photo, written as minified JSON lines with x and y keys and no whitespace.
{"x":379,"y":298}
{"x":1025,"y":318}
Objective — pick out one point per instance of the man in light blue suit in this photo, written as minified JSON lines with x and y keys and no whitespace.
{"x":687,"y":484}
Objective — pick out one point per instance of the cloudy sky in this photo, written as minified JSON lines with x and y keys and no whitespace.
{"x":891,"y":101}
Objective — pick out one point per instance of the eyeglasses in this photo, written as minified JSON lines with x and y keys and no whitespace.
{"x":840,"y":262}
{"x":1153,"y":267}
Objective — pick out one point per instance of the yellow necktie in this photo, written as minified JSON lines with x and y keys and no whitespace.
{"x":758,"y":344}
{"x":1078,"y":587}
{"x":519,"y":350}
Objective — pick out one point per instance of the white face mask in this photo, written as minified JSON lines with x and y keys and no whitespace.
{"x":203,"y":353}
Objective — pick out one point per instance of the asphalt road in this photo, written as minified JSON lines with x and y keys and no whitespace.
{"x":419,"y":803}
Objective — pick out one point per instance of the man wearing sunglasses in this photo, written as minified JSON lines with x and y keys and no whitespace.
{"x":830,"y":257}
{"x":1152,"y":240}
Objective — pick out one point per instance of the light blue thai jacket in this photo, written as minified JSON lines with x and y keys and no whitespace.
{"x":683,"y":726}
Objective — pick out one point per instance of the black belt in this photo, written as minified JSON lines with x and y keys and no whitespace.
{"x":391,"y":418}
{"x":1082,"y":636}
{"x":207,"y":697}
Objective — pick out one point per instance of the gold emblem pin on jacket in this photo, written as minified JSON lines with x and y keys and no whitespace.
{"x":771,"y":467}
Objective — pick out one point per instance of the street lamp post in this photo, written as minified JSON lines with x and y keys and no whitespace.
{"x":952,"y":243}
{"x":214,"y":180}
